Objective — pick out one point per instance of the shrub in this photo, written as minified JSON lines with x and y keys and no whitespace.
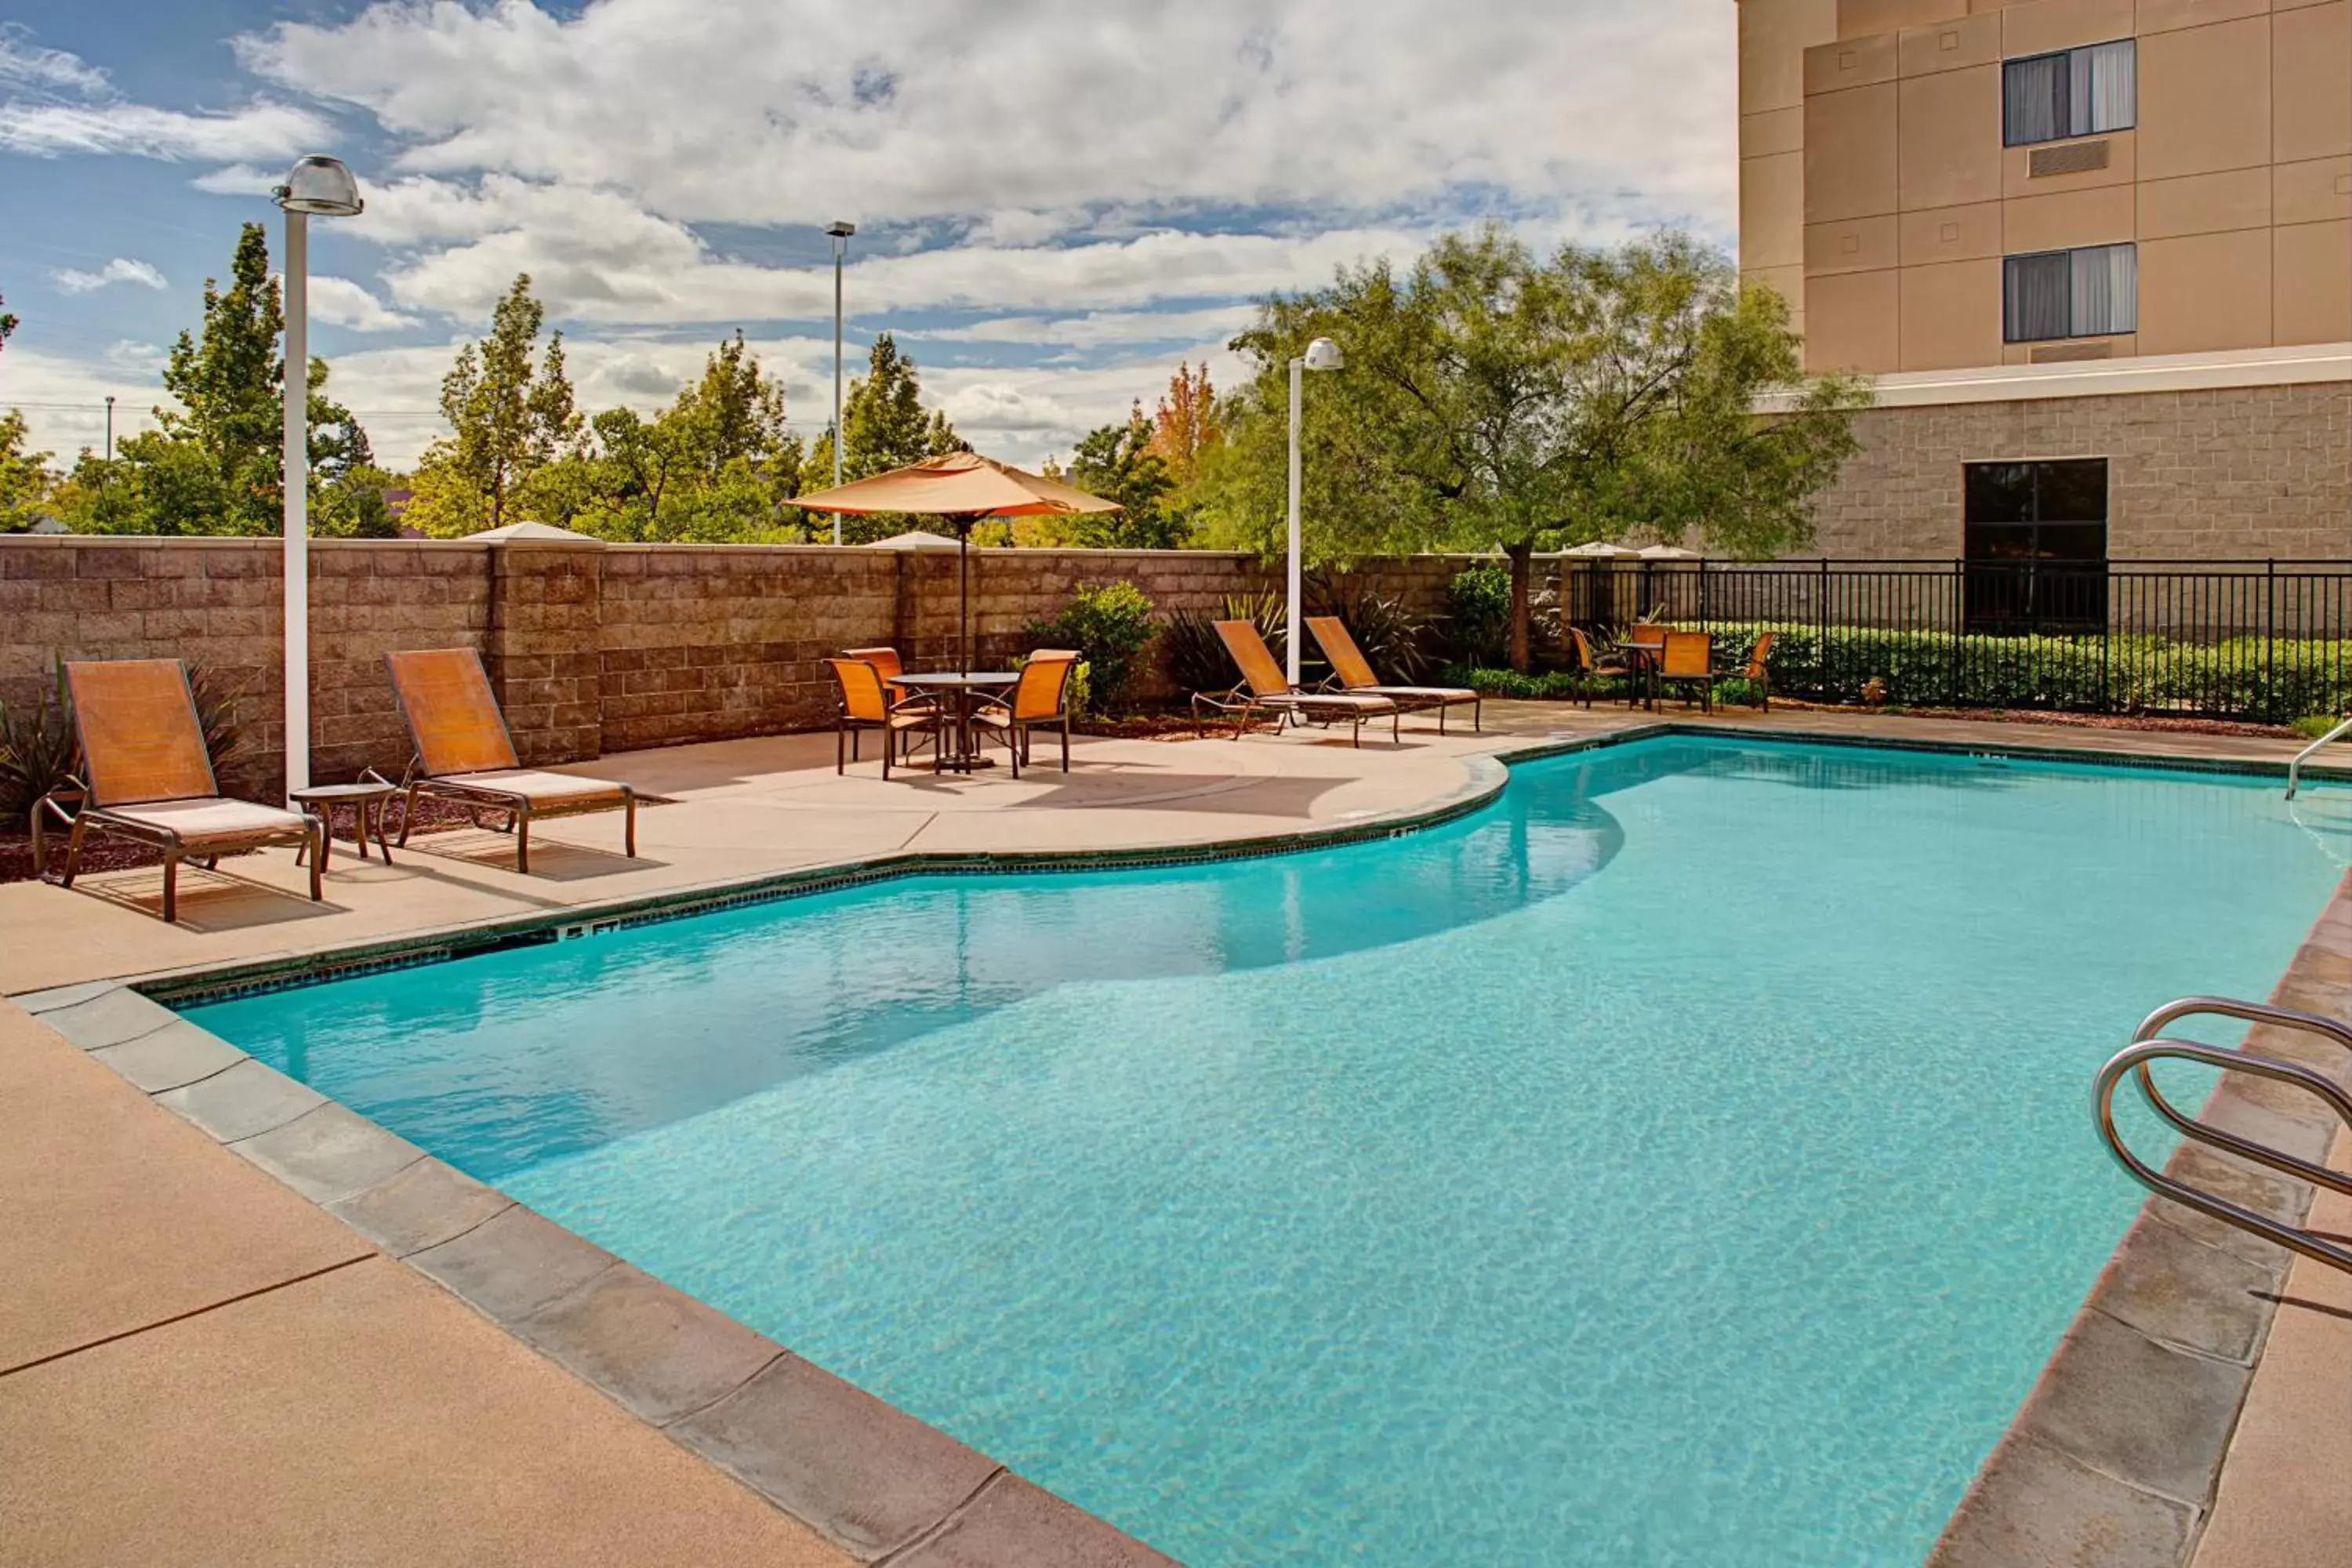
{"x":1389,"y":636}
{"x":1197,"y":660}
{"x":1478,"y":616}
{"x":1110,"y":623}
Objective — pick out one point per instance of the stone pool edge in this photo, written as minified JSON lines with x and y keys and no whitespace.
{"x":2116,"y":1454}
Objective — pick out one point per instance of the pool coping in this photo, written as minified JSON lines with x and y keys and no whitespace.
{"x":2155,"y":1365}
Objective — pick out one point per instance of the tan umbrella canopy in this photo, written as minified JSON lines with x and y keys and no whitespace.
{"x":962,"y":488}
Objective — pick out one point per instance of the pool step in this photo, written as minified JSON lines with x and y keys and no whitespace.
{"x":2149,"y":1046}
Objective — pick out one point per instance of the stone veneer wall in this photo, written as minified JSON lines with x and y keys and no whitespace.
{"x":591,"y":649}
{"x":2239,"y":473}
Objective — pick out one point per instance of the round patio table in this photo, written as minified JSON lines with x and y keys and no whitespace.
{"x":962,"y":690}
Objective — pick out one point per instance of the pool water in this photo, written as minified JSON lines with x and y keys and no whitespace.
{"x":1686,"y":1159}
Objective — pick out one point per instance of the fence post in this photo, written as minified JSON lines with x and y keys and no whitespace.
{"x":1822,"y":638}
{"x":1960,"y":617}
{"x":2270,"y":641}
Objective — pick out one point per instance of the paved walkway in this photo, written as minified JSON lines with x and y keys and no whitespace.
{"x":197,"y":1365}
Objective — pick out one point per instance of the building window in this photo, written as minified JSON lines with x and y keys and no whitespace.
{"x":2036,"y":543}
{"x":2093,"y":292}
{"x":2074,"y":92}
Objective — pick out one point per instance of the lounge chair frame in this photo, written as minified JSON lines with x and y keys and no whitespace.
{"x":1339,"y":645}
{"x":1249,"y":702}
{"x":522,"y":810}
{"x":206,"y":849}
{"x":907,"y":715}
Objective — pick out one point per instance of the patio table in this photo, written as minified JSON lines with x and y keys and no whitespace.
{"x":1645,"y":656}
{"x":961,"y":690}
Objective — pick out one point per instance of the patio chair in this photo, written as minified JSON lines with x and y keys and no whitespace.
{"x":865,"y":704}
{"x":1040,"y":698}
{"x":1590,"y":668}
{"x":464,"y":752}
{"x":1758,"y":672}
{"x":1264,"y":690}
{"x":887,"y":660}
{"x":1688,"y":661}
{"x":150,"y":777}
{"x":1354,"y":673}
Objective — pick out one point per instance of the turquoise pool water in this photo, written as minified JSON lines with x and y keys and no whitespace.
{"x":1685,"y":1160}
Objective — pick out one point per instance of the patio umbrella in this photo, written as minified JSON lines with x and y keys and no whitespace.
{"x":1668,"y":553}
{"x":961,"y":488}
{"x":916,"y":540}
{"x":1600,"y":550}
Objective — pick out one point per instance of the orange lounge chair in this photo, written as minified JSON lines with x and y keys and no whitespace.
{"x":1266,"y":689}
{"x":1355,"y":674}
{"x":1040,"y":698}
{"x":465,"y":752}
{"x":150,"y":777}
{"x":866,"y":704}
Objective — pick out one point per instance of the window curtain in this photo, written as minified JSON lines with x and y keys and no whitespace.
{"x":2037,"y":303}
{"x":2036,"y":98}
{"x":2102,"y":89}
{"x":2104,"y":285}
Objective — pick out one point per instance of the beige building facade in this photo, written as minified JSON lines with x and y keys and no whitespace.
{"x":2096,"y":253}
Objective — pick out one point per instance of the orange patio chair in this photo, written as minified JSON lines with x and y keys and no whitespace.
{"x":1354,"y":673}
{"x":150,"y":777}
{"x":464,"y":752}
{"x":1043,"y":697}
{"x":1264,"y":690}
{"x":887,"y":660}
{"x":865,"y":705}
{"x":1758,"y":672}
{"x":1590,"y":668}
{"x":1688,"y":661}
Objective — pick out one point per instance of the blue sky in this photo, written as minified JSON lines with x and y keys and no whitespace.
{"x":1056,"y":205}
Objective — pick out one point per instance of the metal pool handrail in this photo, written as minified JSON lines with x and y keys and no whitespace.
{"x":2148,"y":1048}
{"x":2294,"y":768}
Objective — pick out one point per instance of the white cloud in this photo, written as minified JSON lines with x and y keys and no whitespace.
{"x":239,"y":180}
{"x":1097,"y":328}
{"x":64,"y":398}
{"x":25,"y":64}
{"x":121,"y":269}
{"x":901,"y":109}
{"x":340,"y":302}
{"x":258,"y":130}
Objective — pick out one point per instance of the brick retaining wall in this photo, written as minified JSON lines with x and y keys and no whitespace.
{"x":591,"y":648}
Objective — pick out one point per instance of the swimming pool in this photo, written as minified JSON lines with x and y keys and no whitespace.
{"x":1685,"y":1159}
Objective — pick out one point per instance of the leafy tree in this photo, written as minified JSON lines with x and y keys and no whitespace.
{"x":1120,"y":462}
{"x":7,"y":323}
{"x":1496,"y":400}
{"x":26,"y":482}
{"x":717,"y":464}
{"x":352,"y":506}
{"x":510,"y":412}
{"x":216,"y":464}
{"x":1186,"y":423}
{"x":884,"y":426}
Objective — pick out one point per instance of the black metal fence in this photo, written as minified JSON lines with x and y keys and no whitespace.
{"x":2262,"y":640}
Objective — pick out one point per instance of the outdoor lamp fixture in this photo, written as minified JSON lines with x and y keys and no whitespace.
{"x":840,"y":233}
{"x":1321,"y":354}
{"x":320,"y":185}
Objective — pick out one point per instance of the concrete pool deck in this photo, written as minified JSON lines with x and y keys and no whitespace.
{"x":199,"y":1363}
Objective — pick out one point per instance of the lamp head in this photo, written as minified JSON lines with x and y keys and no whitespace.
{"x":320,"y":186}
{"x":1324,"y":354}
{"x":842,"y":230}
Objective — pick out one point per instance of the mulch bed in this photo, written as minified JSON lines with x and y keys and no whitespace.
{"x":1150,"y":727}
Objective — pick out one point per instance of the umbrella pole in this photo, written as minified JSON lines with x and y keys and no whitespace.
{"x":963,"y":600}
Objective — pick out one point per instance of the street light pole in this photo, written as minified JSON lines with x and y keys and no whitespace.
{"x":109,"y":427}
{"x":840,"y":232}
{"x":324,"y":186}
{"x":1321,"y":354}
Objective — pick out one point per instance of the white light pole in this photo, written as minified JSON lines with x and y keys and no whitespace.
{"x":840,"y":233}
{"x":1321,"y":354}
{"x":324,"y":186}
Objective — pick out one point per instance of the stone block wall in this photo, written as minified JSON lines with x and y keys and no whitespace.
{"x":590,"y":648}
{"x":2235,"y":473}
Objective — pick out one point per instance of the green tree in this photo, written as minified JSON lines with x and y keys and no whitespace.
{"x":1120,"y":462}
{"x":1495,"y":400}
{"x":512,"y":414}
{"x":7,"y":323}
{"x":215,"y":463}
{"x":717,"y":465}
{"x":885,"y":427}
{"x":26,"y":482}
